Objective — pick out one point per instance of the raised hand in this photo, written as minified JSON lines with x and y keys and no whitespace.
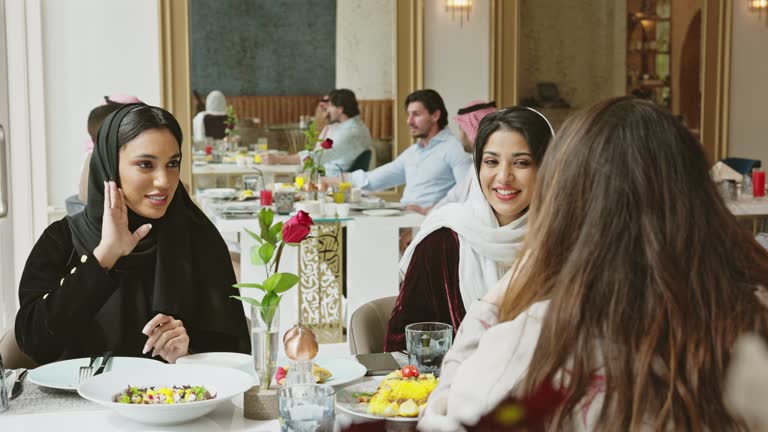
{"x":167,"y":338}
{"x":116,"y":239}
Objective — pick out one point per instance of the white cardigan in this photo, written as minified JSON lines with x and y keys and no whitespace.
{"x":487,"y":360}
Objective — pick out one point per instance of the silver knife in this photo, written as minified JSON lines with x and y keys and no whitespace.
{"x":21,"y":373}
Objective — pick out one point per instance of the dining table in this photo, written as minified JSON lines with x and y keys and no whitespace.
{"x":371,"y":246}
{"x":229,"y":171}
{"x":752,"y":209}
{"x":40,"y":408}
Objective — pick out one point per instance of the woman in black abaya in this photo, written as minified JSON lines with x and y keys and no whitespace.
{"x":141,"y":271}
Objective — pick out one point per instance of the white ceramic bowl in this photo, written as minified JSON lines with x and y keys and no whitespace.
{"x":226,"y":383}
{"x":243,"y":362}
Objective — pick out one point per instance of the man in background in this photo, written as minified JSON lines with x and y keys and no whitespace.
{"x":349,"y":134}
{"x":431,"y":166}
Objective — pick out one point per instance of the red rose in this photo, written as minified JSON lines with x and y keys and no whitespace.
{"x":303,"y":218}
{"x":327,"y":144}
{"x":296,"y":228}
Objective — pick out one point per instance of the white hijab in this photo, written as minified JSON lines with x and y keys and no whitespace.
{"x":486,"y":250}
{"x":216,"y":103}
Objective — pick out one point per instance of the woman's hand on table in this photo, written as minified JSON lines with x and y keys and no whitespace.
{"x":167,"y":338}
{"x":116,"y":239}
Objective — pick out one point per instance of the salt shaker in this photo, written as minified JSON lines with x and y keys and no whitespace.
{"x":3,"y":389}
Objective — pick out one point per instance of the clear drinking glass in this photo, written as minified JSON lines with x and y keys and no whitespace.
{"x":306,"y":408}
{"x":427,"y":344}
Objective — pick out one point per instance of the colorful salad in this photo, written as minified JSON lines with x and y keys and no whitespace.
{"x":162,"y":395}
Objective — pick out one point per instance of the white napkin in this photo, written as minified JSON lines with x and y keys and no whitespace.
{"x":721,"y":172}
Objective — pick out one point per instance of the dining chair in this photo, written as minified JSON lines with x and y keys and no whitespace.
{"x":363,"y":161}
{"x":13,"y":357}
{"x":368,"y":326}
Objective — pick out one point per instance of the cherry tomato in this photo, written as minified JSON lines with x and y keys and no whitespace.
{"x":409,"y":371}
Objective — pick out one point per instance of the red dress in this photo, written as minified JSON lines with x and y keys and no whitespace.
{"x":430,"y":289}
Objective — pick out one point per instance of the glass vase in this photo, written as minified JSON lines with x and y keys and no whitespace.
{"x":311,"y":185}
{"x":264,"y":339}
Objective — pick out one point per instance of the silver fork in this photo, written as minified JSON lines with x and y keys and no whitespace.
{"x":86,"y":371}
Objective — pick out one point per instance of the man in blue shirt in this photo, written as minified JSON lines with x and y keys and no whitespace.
{"x":350,"y":135}
{"x":430,"y":167}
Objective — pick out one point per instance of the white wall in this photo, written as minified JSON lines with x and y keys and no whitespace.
{"x":365,"y":53}
{"x":92,"y":48}
{"x":457,"y":58}
{"x":749,"y":89}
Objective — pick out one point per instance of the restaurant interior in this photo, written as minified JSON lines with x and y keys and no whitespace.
{"x":276,"y":62}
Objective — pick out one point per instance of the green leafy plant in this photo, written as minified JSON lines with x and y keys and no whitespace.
{"x":271,"y":239}
{"x":230,"y":124}
{"x":311,"y":164}
{"x":311,"y":135}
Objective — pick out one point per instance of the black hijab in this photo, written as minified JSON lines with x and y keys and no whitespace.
{"x":192,"y":270}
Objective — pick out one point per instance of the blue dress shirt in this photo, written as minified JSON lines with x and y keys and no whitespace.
{"x":427,"y":172}
{"x":350,"y":138}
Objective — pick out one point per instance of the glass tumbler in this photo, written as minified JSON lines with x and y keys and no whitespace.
{"x":427,"y":343}
{"x":307,"y":408}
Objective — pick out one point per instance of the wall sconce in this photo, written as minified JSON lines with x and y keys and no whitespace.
{"x":463,"y":7}
{"x":759,"y":6}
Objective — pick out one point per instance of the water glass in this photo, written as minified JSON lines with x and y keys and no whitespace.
{"x":284,"y":201}
{"x":262,"y":145}
{"x":427,"y":343}
{"x":306,"y":408}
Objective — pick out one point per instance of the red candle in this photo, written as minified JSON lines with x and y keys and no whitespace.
{"x":758,"y":183}
{"x":266,"y":197}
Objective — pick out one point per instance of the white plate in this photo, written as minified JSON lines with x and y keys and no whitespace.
{"x":63,"y":375}
{"x":346,"y":401}
{"x":243,"y":362}
{"x":375,"y":205}
{"x":343,"y":369}
{"x":226,"y":383}
{"x":381,"y":212}
{"x":218,"y":193}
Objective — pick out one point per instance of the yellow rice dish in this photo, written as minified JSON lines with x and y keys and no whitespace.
{"x":399,"y":396}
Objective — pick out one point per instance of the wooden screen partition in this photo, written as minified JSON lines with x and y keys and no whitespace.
{"x":272,"y":110}
{"x":377,"y":115}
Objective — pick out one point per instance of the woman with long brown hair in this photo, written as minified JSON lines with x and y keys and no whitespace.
{"x":636,"y":282}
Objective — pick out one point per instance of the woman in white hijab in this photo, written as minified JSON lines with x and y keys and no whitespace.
{"x":462,"y":249}
{"x":215,"y":105}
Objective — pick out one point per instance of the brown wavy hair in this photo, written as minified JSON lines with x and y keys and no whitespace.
{"x":645,"y":269}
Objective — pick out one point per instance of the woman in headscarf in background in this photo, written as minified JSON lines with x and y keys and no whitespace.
{"x":462,"y":249}
{"x":468,"y":119}
{"x":141,"y":271}
{"x":215,"y":105}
